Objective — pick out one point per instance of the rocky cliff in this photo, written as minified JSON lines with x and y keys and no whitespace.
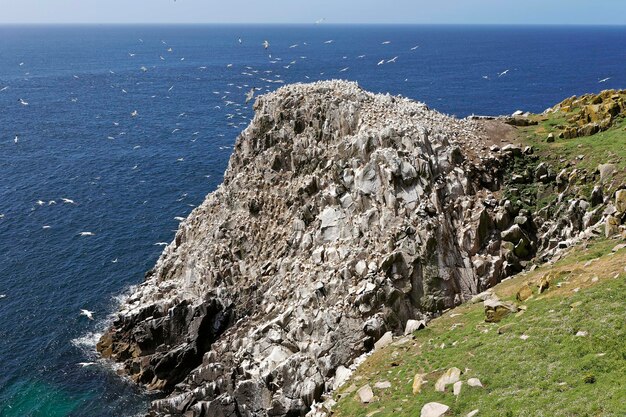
{"x":342,"y":215}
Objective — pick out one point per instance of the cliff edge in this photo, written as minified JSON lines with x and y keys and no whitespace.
{"x":342,"y":215}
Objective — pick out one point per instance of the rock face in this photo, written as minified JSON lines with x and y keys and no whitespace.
{"x":591,"y":113}
{"x":342,"y":215}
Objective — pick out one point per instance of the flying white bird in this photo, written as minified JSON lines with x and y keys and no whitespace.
{"x":86,"y":313}
{"x":503,"y":73}
{"x":134,"y":113}
{"x":86,"y":233}
{"x":266,"y":44}
{"x":392,"y":60}
{"x":16,"y":138}
{"x":67,"y":200}
{"x":4,"y":88}
{"x":604,"y":80}
{"x":381,"y":62}
{"x":386,"y":43}
{"x":23,"y":102}
{"x":160,"y":244}
{"x":249,"y":95}
{"x":415,"y":47}
{"x":344,"y":69}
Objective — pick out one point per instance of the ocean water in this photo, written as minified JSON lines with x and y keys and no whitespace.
{"x":129,"y":177}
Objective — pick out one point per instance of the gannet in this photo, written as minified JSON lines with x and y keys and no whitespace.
{"x":86,"y":313}
{"x":249,"y":95}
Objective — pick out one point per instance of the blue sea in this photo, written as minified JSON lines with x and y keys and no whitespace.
{"x":67,"y":131}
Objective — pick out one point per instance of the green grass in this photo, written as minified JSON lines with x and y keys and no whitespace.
{"x":552,"y":373}
{"x":604,"y":147}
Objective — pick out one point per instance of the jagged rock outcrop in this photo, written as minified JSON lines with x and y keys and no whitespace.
{"x":342,"y":215}
{"x":590,"y":113}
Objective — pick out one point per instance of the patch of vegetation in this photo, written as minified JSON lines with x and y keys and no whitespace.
{"x":582,"y":153}
{"x":572,"y":363}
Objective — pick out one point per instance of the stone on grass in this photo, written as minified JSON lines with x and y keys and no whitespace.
{"x":385,"y":340}
{"x":365,"y":393}
{"x":456,"y":388}
{"x":414,"y":325}
{"x":496,"y":310}
{"x":434,"y":410}
{"x":451,"y":376}
{"x":341,"y":376}
{"x":474,"y":382}
{"x":524,"y":293}
{"x":606,"y":170}
{"x":620,"y":201}
{"x":472,"y":413}
{"x":418,"y":381}
{"x":382,"y":385}
{"x":581,"y":333}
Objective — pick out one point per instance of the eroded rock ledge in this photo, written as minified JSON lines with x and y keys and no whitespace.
{"x":342,"y":215}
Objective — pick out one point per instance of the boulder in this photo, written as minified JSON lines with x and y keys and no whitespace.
{"x":382,"y":385}
{"x":451,"y":376}
{"x":611,"y":226}
{"x":413,"y":326}
{"x":514,"y":234}
{"x":341,"y":376}
{"x":385,"y":340}
{"x":620,"y":201}
{"x":524,"y":293}
{"x":606,"y":170}
{"x":434,"y":410}
{"x":474,"y":382}
{"x":597,"y":197}
{"x":496,"y":310}
{"x":544,"y":284}
{"x":365,"y":394}
{"x":456,"y":388}
{"x":418,"y":381}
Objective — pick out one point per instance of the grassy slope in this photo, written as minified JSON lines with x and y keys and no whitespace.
{"x":549,"y":374}
{"x":604,"y":147}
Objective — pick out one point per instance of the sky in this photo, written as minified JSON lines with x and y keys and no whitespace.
{"x":308,"y":11}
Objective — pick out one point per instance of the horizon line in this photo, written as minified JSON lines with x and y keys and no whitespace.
{"x":299,"y":24}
